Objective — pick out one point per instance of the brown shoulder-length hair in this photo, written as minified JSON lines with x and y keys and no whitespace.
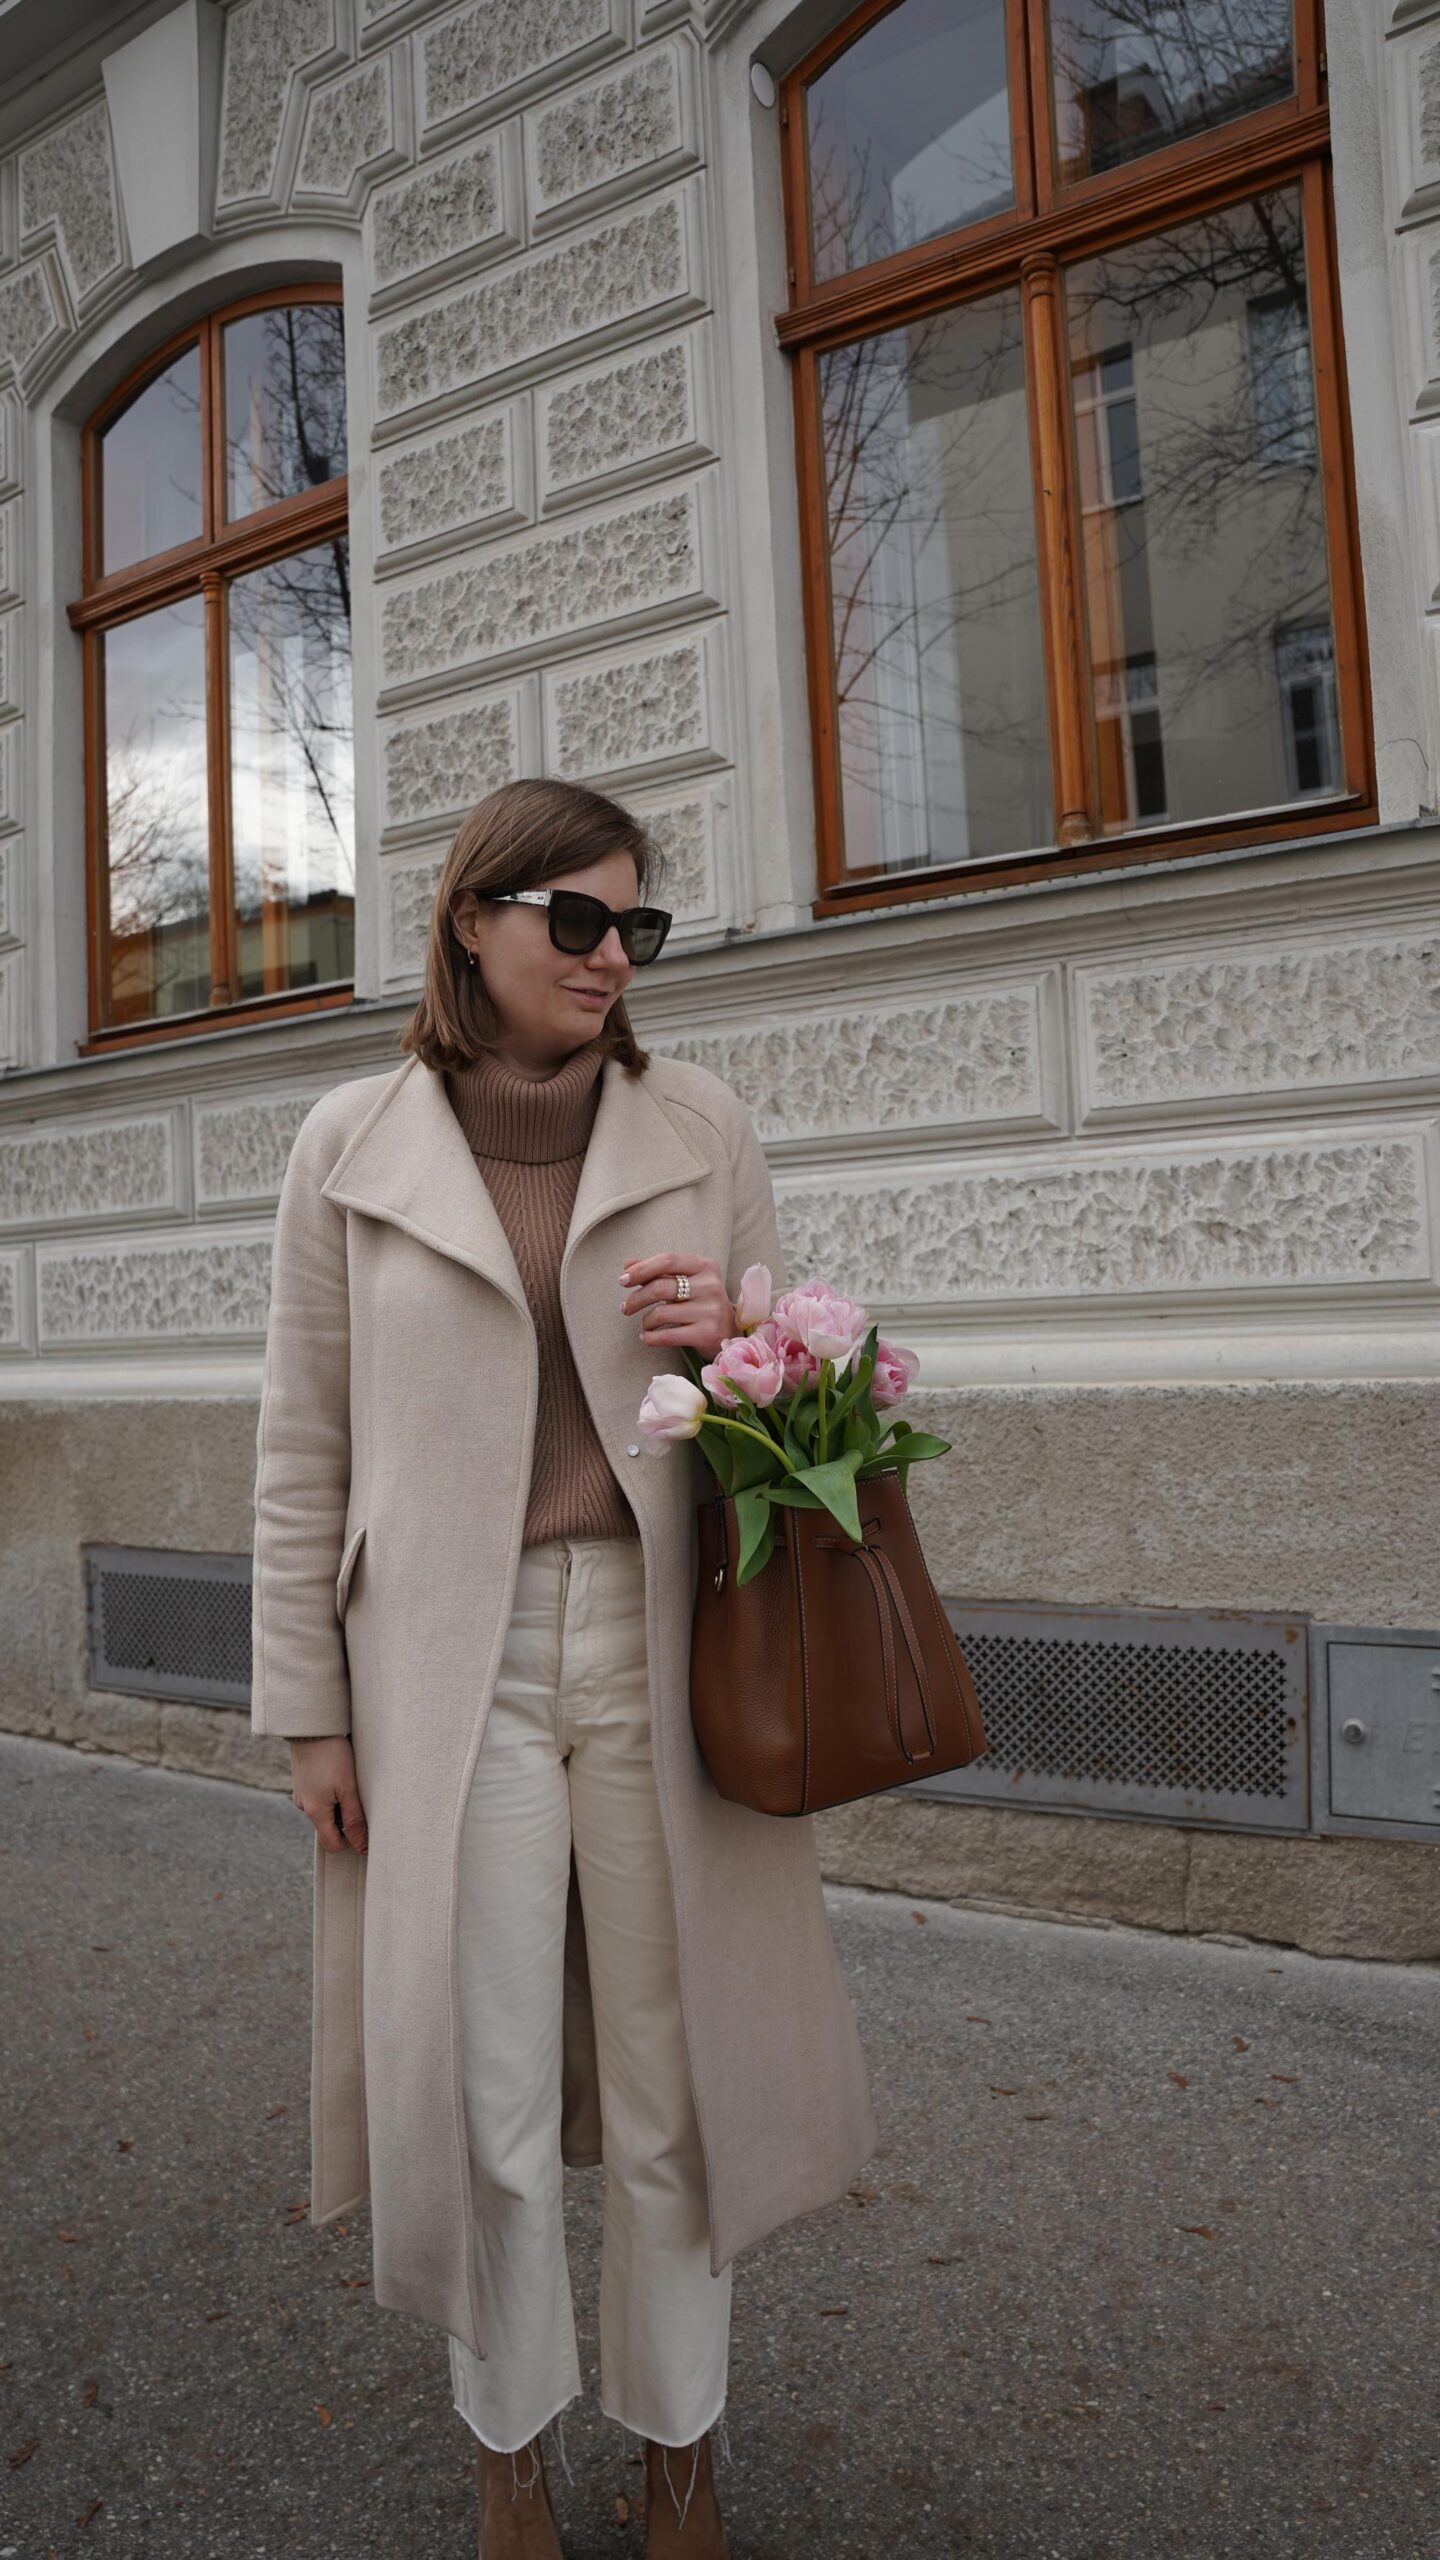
{"x":518,"y":838}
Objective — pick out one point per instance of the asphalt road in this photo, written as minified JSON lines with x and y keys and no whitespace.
{"x":1146,"y":2264}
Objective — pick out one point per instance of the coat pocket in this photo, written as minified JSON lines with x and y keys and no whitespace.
{"x":347,"y":1567}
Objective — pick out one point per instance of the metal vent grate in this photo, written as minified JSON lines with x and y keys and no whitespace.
{"x":170,"y":1625}
{"x":1173,"y":1714}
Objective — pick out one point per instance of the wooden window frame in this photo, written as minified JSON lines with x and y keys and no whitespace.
{"x":1052,"y":224}
{"x":201,"y":567}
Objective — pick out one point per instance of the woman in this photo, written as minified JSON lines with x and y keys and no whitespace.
{"x":541,"y":1937}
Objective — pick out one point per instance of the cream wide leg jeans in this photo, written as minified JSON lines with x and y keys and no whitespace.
{"x":566,"y":1755}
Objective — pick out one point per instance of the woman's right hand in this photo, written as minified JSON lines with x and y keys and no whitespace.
{"x":322,"y":1772}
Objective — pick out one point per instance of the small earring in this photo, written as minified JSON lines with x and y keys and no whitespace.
{"x":469,"y":954}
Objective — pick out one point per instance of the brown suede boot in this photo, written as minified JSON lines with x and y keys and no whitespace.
{"x":517,"y":2521}
{"x":682,"y":2512}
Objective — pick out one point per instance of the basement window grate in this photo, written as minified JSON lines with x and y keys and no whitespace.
{"x":169,"y":1624}
{"x":1179,"y":1715}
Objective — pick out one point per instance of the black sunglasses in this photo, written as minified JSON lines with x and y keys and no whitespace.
{"x":580,"y":923}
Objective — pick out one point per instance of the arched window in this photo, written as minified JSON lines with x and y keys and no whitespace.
{"x":216,"y":626}
{"x":1077,"y":519}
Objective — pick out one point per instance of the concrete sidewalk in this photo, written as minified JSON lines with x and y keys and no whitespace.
{"x":1147,"y":2263}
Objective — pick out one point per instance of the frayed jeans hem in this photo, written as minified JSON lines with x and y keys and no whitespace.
{"x":557,"y":2412}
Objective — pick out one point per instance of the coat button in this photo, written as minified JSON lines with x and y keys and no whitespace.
{"x":634,"y":1449}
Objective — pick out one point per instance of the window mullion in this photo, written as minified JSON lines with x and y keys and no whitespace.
{"x":1046,"y":371}
{"x":1029,"y":51}
{"x":223,"y":970}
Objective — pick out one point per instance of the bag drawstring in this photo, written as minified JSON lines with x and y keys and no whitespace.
{"x":885,"y":1583}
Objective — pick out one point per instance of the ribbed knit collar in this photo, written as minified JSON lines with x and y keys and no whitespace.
{"x":528,"y":1119}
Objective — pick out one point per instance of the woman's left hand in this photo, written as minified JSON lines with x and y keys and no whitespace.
{"x":704,"y":1319}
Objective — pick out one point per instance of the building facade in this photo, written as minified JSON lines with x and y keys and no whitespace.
{"x":968,"y":471}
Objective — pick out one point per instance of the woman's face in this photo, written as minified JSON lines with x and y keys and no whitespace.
{"x":549,"y":1002}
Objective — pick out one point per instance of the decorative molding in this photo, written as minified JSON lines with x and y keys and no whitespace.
{"x":440,"y":764}
{"x":640,"y":713}
{"x":357,"y":129}
{"x":12,"y":810}
{"x":982,"y":1058}
{"x":690,"y":833}
{"x":242,"y":1145}
{"x":9,"y":552}
{"x":628,"y":130}
{"x":34,"y":318}
{"x":68,"y":193}
{"x":1291,"y":1211}
{"x":639,"y":270}
{"x":408,"y":891}
{"x":10,"y":988}
{"x":480,"y":61}
{"x":647,"y":560}
{"x":12,"y":440}
{"x":446,"y":217}
{"x":12,"y":1302}
{"x":625,"y":420}
{"x":1272,"y":1018}
{"x":438,"y":492}
{"x":268,"y":43}
{"x":66,"y":1173}
{"x":197,"y":1288}
{"x":12,"y":657}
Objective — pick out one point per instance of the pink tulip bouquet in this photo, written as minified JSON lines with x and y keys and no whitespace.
{"x":790,"y":1409}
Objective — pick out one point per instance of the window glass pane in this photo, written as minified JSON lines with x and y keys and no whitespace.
{"x":284,"y":403}
{"x":150,"y":469}
{"x":157,"y":815}
{"x":1203,"y":530}
{"x":909,"y":132}
{"x":292,"y":771}
{"x":939,"y":670}
{"x":1132,"y":75}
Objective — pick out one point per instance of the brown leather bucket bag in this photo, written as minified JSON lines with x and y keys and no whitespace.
{"x":834,"y":1672}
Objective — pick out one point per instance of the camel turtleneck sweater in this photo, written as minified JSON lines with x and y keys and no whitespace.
{"x":528,"y":1135}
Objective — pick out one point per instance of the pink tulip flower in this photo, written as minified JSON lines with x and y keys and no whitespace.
{"x":895,"y":1371}
{"x":672,"y":1409}
{"x":798,"y":1367}
{"x":753,"y":1304}
{"x":751,"y":1363}
{"x":832,"y":1327}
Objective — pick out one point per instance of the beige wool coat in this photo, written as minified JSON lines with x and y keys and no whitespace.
{"x":393,"y":1458}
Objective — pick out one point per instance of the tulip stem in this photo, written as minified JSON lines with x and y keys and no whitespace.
{"x":727,"y":1422}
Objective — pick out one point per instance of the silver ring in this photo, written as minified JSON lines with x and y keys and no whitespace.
{"x":682,"y":1284}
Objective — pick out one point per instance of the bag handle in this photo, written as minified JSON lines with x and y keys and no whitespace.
{"x":885,"y":1583}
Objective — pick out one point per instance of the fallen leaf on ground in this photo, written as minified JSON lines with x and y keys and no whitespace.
{"x":1241,"y":2043}
{"x":622,"y":2510}
{"x":1179,"y":2079}
{"x":1201,"y":2230}
{"x":31,"y":2445}
{"x":324,"y":2414}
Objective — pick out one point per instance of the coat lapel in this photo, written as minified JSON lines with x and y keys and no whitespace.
{"x":410,"y":1163}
